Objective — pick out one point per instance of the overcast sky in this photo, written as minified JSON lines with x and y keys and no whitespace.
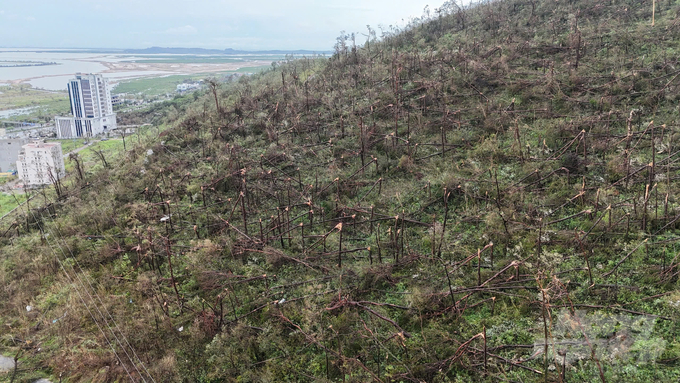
{"x":243,"y":24}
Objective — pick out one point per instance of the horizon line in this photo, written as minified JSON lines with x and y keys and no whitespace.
{"x":167,"y":47}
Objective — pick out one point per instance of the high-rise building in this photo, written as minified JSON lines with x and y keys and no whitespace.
{"x":41,"y":163}
{"x":91,"y":108}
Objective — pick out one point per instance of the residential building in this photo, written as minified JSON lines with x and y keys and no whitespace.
{"x":116,"y":100}
{"x":185,"y":87}
{"x":91,"y":108}
{"x":9,"y":152}
{"x":41,"y":163}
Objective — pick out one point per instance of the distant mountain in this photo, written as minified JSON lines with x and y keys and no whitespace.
{"x":203,"y":51}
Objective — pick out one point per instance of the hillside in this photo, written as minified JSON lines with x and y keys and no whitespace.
{"x":490,"y":194}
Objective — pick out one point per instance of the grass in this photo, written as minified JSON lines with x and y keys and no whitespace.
{"x":22,"y":96}
{"x":6,"y":179}
{"x":46,"y":104}
{"x":389,"y":213}
{"x":157,"y":86}
{"x":109,"y":147}
{"x":153,"y":86}
{"x":70,"y":145}
{"x":9,"y":202}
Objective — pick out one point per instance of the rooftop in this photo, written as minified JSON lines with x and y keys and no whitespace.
{"x":38,"y":145}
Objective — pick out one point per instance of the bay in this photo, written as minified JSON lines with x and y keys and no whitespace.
{"x":115,"y":66}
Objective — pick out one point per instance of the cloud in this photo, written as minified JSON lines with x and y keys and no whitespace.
{"x":253,"y":24}
{"x":30,"y":18}
{"x":182,"y":31}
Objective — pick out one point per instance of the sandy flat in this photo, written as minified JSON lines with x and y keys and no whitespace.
{"x":137,"y":69}
{"x":179,"y":68}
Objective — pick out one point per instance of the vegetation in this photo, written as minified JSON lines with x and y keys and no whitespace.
{"x":70,"y":145}
{"x":157,"y":86}
{"x":489,"y":194}
{"x":46,"y":104}
{"x":9,"y":201}
{"x":154,"y":86}
{"x":23,"y":95}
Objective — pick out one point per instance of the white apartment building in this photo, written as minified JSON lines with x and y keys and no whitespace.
{"x":91,"y":108}
{"x":41,"y":163}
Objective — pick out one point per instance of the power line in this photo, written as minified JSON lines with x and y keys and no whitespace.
{"x":59,"y":236}
{"x":70,"y":279}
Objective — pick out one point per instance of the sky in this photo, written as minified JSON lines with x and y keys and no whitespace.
{"x":217,"y":24}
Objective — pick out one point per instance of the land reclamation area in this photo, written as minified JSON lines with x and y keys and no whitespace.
{"x":36,"y":93}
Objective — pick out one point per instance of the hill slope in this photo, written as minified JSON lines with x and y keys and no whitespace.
{"x":487,"y":195}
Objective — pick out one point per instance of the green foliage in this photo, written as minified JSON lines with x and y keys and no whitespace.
{"x":8,"y":202}
{"x":160,"y":86}
{"x":424,"y":211}
{"x":153,"y":86}
{"x":23,"y":96}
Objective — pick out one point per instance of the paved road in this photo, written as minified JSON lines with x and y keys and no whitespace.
{"x":80,"y":148}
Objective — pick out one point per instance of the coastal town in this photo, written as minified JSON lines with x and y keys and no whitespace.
{"x":28,"y":155}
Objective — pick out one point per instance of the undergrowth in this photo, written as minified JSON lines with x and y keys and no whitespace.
{"x":489,"y":194}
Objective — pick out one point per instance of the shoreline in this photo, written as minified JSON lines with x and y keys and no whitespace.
{"x":134,"y":69}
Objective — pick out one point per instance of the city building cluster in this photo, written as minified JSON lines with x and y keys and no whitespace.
{"x":40,"y":163}
{"x":91,"y":108}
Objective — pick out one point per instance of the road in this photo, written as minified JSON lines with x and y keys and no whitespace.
{"x":79,"y":149}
